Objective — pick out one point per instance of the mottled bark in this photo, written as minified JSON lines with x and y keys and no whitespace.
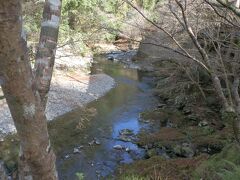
{"x":21,"y":93}
{"x":3,"y":174}
{"x":45,"y":56}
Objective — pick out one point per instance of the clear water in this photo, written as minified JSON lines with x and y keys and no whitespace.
{"x":119,"y":109}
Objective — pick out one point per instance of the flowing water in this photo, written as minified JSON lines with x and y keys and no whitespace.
{"x":95,"y":156}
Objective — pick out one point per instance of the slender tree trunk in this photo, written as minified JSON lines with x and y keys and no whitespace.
{"x":22,"y":95}
{"x":45,"y":56}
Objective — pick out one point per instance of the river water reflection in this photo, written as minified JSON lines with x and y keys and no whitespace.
{"x":90,"y":151}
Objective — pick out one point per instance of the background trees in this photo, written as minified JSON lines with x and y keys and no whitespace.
{"x":204,"y":34}
{"x":81,"y":28}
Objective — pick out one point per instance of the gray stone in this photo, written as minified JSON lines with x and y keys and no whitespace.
{"x":127,"y":132}
{"x":203,"y":123}
{"x":76,"y":150}
{"x":91,"y":143}
{"x":161,"y":105}
{"x":127,"y":149}
{"x":97,"y":142}
{"x":118,"y":147}
{"x":184,"y":150}
{"x":192,"y":117}
{"x":67,"y":156}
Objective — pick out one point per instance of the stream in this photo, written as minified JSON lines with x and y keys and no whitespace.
{"x":97,"y":150}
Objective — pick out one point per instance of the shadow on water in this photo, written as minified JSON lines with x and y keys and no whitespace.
{"x":85,"y":138}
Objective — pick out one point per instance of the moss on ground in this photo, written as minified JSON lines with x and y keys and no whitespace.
{"x":9,"y":150}
{"x":222,"y":166}
{"x":164,"y":136}
{"x":163,"y":116}
{"x":160,"y":168}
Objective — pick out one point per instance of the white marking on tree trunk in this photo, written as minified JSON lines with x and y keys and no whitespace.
{"x":2,"y":80}
{"x":24,"y":34}
{"x":29,"y":110}
{"x":53,"y":22}
{"x":41,"y":45}
{"x":20,"y":151}
{"x":55,"y":19}
{"x":44,"y":61}
{"x":55,"y":2}
{"x":47,"y":77}
{"x":238,"y":4}
{"x":55,"y":5}
{"x":48,"y":147}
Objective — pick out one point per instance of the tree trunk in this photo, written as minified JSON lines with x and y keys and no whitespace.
{"x":22,"y":95}
{"x":3,"y":174}
{"x":46,"y":51}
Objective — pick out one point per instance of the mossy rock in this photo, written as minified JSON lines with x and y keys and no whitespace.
{"x":151,"y":153}
{"x":184,"y":150}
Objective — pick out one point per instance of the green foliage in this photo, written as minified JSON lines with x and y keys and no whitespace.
{"x":232,"y":173}
{"x":223,"y":166}
{"x":32,"y":14}
{"x":84,"y":22}
{"x":148,"y":4}
{"x":80,"y":176}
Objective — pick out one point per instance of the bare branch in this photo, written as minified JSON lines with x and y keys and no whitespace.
{"x":229,"y":6}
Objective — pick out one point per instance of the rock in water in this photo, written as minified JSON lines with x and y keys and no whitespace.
{"x":125,"y":138}
{"x":110,"y":58}
{"x":97,"y":142}
{"x":67,"y":156}
{"x":128,"y":149}
{"x":91,"y":142}
{"x":76,"y":150}
{"x":127,"y":132}
{"x":118,"y":147}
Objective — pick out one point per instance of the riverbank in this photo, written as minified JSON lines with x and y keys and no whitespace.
{"x":72,"y":87}
{"x":191,"y":138}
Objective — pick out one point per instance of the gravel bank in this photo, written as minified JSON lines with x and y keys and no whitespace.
{"x":68,"y":91}
{"x":70,"y":88}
